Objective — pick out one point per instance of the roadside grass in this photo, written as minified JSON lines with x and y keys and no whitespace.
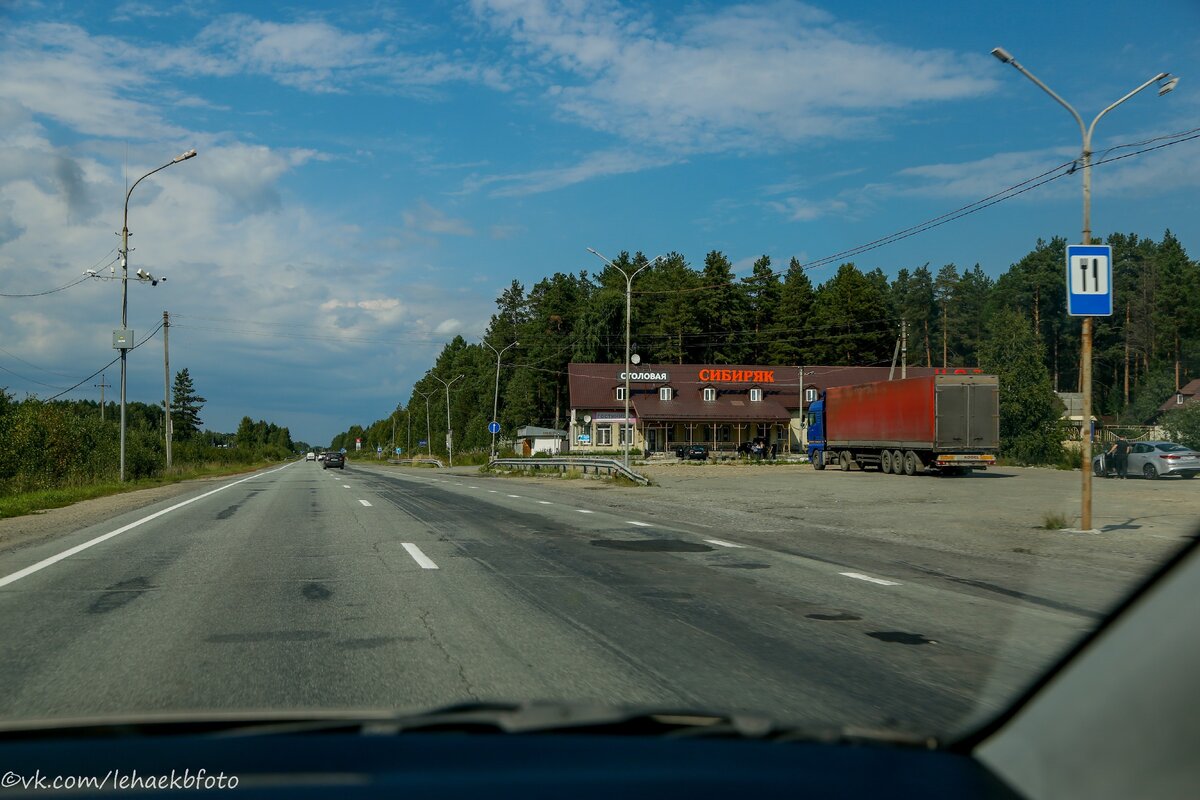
{"x":23,"y":503}
{"x":1055,"y":521}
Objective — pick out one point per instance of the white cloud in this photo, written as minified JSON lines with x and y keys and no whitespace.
{"x":595,"y":165}
{"x":448,"y":327}
{"x":424,"y":218}
{"x":745,"y":77}
{"x":798,"y":209}
{"x":314,"y":55}
{"x":77,"y":80}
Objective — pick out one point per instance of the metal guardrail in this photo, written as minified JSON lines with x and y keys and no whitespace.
{"x":563,"y":463}
{"x":420,"y":460}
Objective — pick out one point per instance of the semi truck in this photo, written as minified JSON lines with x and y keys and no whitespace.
{"x":946,"y":424}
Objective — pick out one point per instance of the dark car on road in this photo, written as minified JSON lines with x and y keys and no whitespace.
{"x":693,"y":452}
{"x":334,"y":460}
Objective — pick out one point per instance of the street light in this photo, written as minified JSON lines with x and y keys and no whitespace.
{"x":496,"y":397}
{"x":428,"y":436}
{"x":628,"y":293}
{"x":142,"y":276}
{"x":1166,"y":82}
{"x":449,"y":432}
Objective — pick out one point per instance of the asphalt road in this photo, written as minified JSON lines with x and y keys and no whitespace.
{"x":299,"y":588}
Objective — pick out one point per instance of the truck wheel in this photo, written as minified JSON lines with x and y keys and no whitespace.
{"x":818,"y":460}
{"x":846,"y":460}
{"x":912,"y":464}
{"x":885,"y":461}
{"x":897,"y":462}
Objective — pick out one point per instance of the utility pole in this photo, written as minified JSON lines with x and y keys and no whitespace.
{"x":449,"y":430}
{"x":126,"y":339}
{"x":903,"y":349}
{"x":496,"y":396}
{"x":625,"y":426}
{"x":167,"y":384}
{"x":102,"y":386}
{"x":1166,"y":82}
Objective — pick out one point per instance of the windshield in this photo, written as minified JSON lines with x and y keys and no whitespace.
{"x":725,"y":357}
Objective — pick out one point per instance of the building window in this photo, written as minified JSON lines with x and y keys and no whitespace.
{"x":626,"y":430}
{"x":810,"y":395}
{"x":723,"y":433}
{"x":710,"y":393}
{"x":761,"y":430}
{"x":620,"y":392}
{"x":664,"y":393}
{"x":755,"y":395}
{"x":604,"y":435}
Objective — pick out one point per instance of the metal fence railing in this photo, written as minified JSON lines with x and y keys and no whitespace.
{"x":563,"y":463}
{"x":418,"y":460}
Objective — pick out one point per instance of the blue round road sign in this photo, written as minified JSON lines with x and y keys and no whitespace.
{"x":493,"y":427}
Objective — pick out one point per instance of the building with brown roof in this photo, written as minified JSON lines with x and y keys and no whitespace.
{"x":723,"y":407}
{"x":1185,"y":396}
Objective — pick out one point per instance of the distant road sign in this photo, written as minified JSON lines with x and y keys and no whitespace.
{"x":1089,"y":280}
{"x":493,"y":427}
{"x":399,"y":450}
{"x":379,"y":449}
{"x":423,"y":443}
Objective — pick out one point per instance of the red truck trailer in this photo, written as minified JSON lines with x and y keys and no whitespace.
{"x":948,"y":423}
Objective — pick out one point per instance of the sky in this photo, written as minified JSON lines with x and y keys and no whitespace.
{"x":370,"y":175}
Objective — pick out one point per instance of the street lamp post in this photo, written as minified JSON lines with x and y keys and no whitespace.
{"x":125,"y":289}
{"x":449,"y":431}
{"x":628,"y":293}
{"x":496,"y":396}
{"x":428,"y":435}
{"x":1166,"y":83}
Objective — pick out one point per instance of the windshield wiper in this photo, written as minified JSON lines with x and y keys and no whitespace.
{"x":476,"y":717}
{"x":568,"y":718}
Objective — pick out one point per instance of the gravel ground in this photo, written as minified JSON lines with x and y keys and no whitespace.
{"x":1000,"y":510}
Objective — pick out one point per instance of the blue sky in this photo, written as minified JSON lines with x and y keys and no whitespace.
{"x":370,"y":175}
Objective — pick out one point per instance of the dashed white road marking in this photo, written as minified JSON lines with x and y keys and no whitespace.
{"x":545,"y":502}
{"x":514,"y":495}
{"x":722,"y":543}
{"x":345,"y":486}
{"x":584,"y":511}
{"x":639,"y":524}
{"x":492,"y":491}
{"x":419,"y":557}
{"x":365,"y":503}
{"x":472,"y":487}
{"x":859,"y":576}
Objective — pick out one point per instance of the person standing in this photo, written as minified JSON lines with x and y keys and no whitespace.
{"x":1121,"y":456}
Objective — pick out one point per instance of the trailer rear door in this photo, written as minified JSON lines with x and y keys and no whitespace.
{"x":967,"y":415}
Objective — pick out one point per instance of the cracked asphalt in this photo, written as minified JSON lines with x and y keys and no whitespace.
{"x":303,"y":588}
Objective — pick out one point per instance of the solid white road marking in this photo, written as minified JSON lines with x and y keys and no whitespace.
{"x":46,"y":562}
{"x":419,"y":557}
{"x":639,"y":524}
{"x":721,"y":543}
{"x":365,"y":503}
{"x":861,"y":577}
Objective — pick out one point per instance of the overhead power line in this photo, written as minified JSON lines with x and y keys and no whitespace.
{"x":1008,"y":193}
{"x":148,"y":337}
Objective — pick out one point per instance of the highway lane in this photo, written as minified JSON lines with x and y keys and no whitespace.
{"x":305,"y":588}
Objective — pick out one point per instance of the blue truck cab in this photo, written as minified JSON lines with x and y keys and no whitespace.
{"x":815,"y":432}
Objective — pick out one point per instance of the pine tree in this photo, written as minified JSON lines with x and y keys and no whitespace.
{"x":793,"y":327}
{"x":185,"y":406}
{"x":1029,"y":409}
